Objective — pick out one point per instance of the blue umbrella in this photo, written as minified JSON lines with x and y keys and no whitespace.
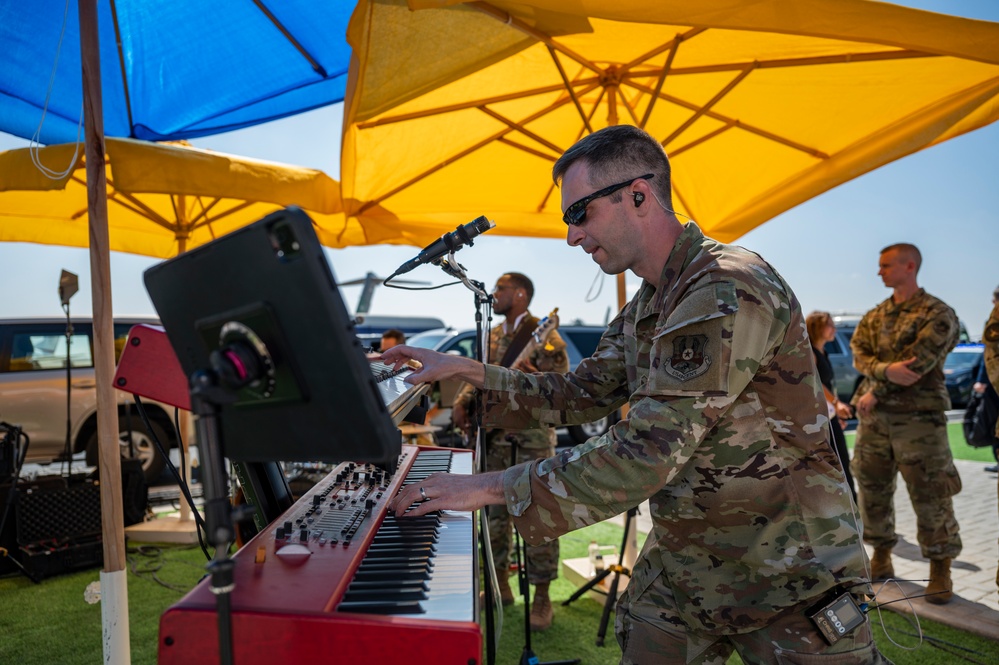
{"x":171,"y":69}
{"x":155,"y":69}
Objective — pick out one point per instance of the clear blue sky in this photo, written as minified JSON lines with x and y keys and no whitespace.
{"x":945,"y":200}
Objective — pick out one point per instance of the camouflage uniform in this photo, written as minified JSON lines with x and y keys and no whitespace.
{"x":991,"y":340}
{"x":907,"y":429}
{"x":726,"y":436}
{"x":532,"y":444}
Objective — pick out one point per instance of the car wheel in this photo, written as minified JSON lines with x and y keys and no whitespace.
{"x":580,"y":433}
{"x":141,"y":443}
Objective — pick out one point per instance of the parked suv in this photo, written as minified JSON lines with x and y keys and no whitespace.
{"x":33,"y":387}
{"x":580,"y":342}
{"x":841,"y":357}
{"x":960,"y":370}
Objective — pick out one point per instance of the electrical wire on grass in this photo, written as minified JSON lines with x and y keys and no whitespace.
{"x":146,"y":561}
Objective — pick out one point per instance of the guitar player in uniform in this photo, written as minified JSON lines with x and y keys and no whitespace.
{"x":513,"y":344}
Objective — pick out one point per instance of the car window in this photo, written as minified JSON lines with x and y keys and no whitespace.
{"x":121,"y":331}
{"x":41,"y":351}
{"x":465,"y":346}
{"x":833,"y":347}
{"x":585,"y":340}
{"x":962,"y":359}
{"x":426,"y":340}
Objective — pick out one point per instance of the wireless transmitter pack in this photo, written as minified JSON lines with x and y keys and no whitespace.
{"x":837,"y":617}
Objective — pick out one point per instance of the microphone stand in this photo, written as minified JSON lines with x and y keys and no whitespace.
{"x":68,"y":447}
{"x":527,"y":656}
{"x":483,"y":301}
{"x":207,"y":398}
{"x":483,"y":317}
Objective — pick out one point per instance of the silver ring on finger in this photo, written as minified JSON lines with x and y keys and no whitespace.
{"x":423,"y":493}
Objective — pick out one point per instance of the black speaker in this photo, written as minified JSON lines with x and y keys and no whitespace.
{"x":56,"y":510}
{"x":8,"y":530}
{"x":57,"y":525}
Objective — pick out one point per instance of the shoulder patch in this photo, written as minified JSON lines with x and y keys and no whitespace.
{"x":690,"y":358}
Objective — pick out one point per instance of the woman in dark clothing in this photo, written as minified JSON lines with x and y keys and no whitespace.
{"x":821,"y":329}
{"x":983,"y":387}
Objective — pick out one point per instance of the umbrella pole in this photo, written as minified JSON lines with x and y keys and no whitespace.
{"x":114,"y":585}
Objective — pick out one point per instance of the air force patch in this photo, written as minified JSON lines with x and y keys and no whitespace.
{"x":689,"y":359}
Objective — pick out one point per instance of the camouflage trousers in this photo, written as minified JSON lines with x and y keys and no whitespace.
{"x":915,"y":445}
{"x":542,"y":560}
{"x":650,"y":631}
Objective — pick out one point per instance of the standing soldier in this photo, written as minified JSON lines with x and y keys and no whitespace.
{"x":507,"y":343}
{"x":900,"y":346}
{"x":991,"y":340}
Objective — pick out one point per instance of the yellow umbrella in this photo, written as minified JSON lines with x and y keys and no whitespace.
{"x":163,"y":199}
{"x":458,"y":109}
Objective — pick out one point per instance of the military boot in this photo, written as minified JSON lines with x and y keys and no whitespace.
{"x":541,"y":610}
{"x":940,"y":589}
{"x":881,"y":568}
{"x":506,"y":593}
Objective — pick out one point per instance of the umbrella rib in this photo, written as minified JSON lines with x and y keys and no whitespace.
{"x":714,"y":115}
{"x":629,"y":77}
{"x":464,"y":153}
{"x":121,"y":67}
{"x":517,"y":24}
{"x":714,"y":100}
{"x":568,"y":87}
{"x":690,"y":213}
{"x":208,"y":222}
{"x":139,"y":207}
{"x":846,"y":58}
{"x":205,"y":209}
{"x":629,"y":107}
{"x":671,"y":44}
{"x":520,"y":128}
{"x":433,"y":169}
{"x":579,"y":135}
{"x":294,"y":42}
{"x":416,"y":115}
{"x":527,"y":149}
{"x":675,"y":45}
{"x":707,"y":137}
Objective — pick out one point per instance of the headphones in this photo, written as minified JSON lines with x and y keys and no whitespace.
{"x":639,"y":197}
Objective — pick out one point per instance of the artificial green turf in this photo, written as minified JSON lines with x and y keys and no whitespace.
{"x":46,"y":623}
{"x":50,"y":622}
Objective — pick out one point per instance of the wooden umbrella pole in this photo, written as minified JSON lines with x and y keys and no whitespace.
{"x":114,"y":590}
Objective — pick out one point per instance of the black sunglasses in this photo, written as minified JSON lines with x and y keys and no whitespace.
{"x":575,"y":214}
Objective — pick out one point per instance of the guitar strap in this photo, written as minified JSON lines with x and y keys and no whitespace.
{"x":527,"y":327}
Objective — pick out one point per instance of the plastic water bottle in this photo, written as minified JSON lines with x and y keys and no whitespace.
{"x":594,"y":551}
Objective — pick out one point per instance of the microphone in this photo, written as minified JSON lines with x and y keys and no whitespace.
{"x":449,"y":242}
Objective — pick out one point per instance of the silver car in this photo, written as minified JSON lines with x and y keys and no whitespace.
{"x":33,"y":393}
{"x":580,"y":342}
